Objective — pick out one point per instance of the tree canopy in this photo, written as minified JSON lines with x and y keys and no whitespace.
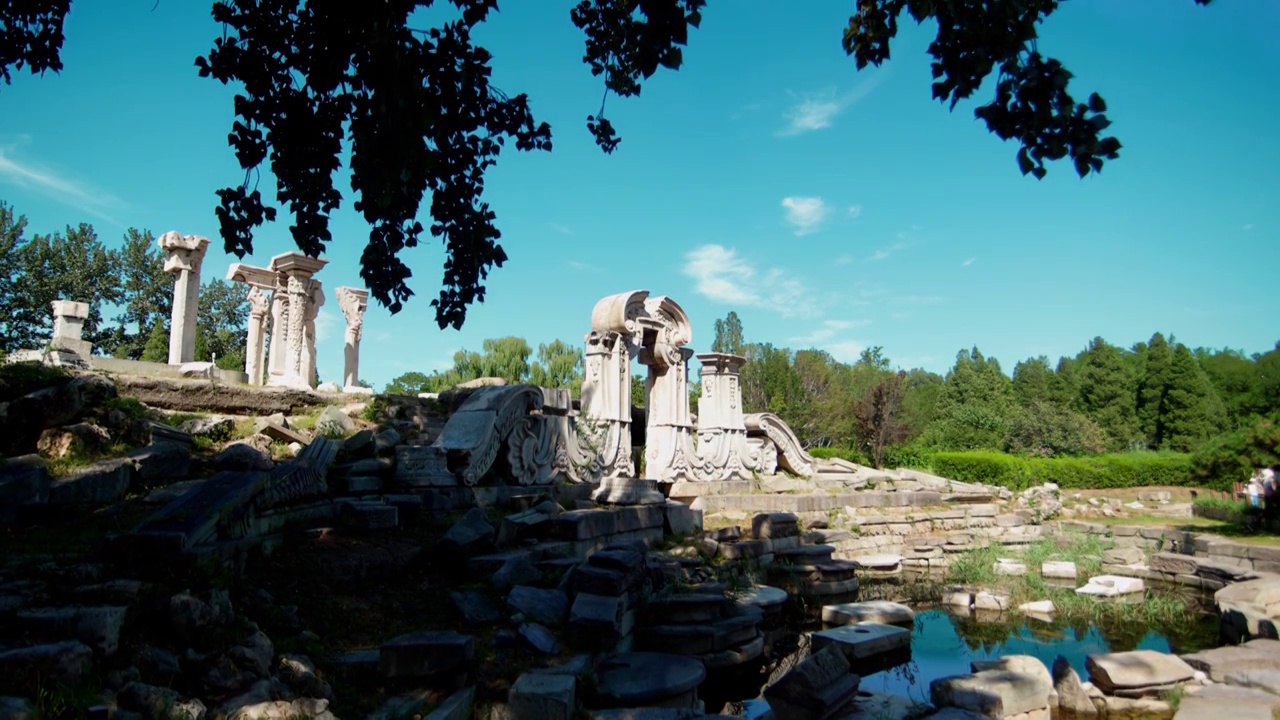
{"x":421,"y":117}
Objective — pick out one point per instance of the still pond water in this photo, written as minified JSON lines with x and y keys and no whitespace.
{"x":943,"y":644}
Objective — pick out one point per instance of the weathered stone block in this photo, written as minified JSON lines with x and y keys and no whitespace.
{"x":584,"y":524}
{"x":1136,"y":669}
{"x":97,"y":627}
{"x":536,"y":696}
{"x":424,"y":654}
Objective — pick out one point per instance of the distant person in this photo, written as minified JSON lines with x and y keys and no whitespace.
{"x":1269,"y":493}
{"x":1255,"y":489}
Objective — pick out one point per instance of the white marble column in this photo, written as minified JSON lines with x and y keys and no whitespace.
{"x":255,"y":352}
{"x":315,"y":300}
{"x":293,"y":328}
{"x":279,"y":332}
{"x":353,"y":302}
{"x":184,"y":255}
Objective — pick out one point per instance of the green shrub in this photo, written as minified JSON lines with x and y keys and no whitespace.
{"x":983,"y":466}
{"x":1128,"y":470}
{"x":1234,"y":456}
{"x":18,"y":379}
{"x":843,"y":453}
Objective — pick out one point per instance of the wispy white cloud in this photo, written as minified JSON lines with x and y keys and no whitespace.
{"x":326,"y":322}
{"x":1248,"y":227}
{"x":721,"y":275}
{"x":846,"y":351}
{"x":744,"y":111}
{"x":854,"y":212}
{"x":562,"y":229}
{"x":844,"y":259}
{"x":815,"y":111}
{"x":901,"y":315}
{"x":828,"y":330}
{"x":581,"y":266}
{"x":805,"y":214}
{"x":886,"y":252}
{"x":56,"y":185}
{"x":968,"y":261}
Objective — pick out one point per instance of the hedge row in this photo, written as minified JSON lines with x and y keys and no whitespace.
{"x":1101,"y":472}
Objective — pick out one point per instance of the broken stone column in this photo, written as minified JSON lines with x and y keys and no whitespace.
{"x":297,"y":315}
{"x":255,"y":352}
{"x":68,"y":323}
{"x":315,"y":300}
{"x":185,"y":253}
{"x":353,"y":302}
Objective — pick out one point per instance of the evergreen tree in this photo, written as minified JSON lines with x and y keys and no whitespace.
{"x":1156,"y":376}
{"x":1186,"y":416}
{"x":157,"y":347}
{"x":975,"y":405}
{"x":74,"y":265}
{"x":1033,"y":381}
{"x":12,"y":229}
{"x":1107,"y":393}
{"x":728,"y":335}
{"x":146,"y":292}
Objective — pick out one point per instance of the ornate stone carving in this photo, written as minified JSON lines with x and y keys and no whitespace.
{"x":255,"y":345}
{"x":791,"y":455}
{"x":353,"y":302}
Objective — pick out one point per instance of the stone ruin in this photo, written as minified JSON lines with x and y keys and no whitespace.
{"x":284,"y":299}
{"x":537,"y":436}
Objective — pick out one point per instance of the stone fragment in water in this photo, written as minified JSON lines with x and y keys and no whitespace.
{"x":1136,"y":669}
{"x":1111,"y":585}
{"x":1072,"y":698}
{"x":994,"y":693}
{"x":814,"y":688}
{"x":1039,"y":607}
{"x":878,"y":611}
{"x":1058,"y":569}
{"x":1214,"y":702}
{"x":990,"y":601}
{"x":1260,"y":654}
{"x":863,"y":640}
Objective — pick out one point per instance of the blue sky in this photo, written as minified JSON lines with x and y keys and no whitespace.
{"x":828,"y":207}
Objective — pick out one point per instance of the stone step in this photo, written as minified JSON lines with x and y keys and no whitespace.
{"x":97,"y":627}
{"x":681,"y":609}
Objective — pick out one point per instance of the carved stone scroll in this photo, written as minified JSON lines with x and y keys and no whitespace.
{"x":791,"y":454}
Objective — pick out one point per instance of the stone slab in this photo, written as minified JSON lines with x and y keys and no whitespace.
{"x":1136,"y":669}
{"x":639,"y":679}
{"x":862,"y":640}
{"x":878,"y":611}
{"x":993,"y":693}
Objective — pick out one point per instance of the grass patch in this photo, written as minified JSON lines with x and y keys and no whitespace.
{"x":131,"y":407}
{"x":976,"y":569}
{"x":18,"y":379}
{"x":71,"y":462}
{"x":1236,"y":507}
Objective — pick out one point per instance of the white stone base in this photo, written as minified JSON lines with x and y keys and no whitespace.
{"x":357,"y":390}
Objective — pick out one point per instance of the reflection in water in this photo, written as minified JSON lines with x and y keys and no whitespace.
{"x":943,"y":644}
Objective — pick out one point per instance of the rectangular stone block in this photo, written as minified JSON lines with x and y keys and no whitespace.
{"x":584,"y":524}
{"x":423,"y":466}
{"x":424,"y":654}
{"x":639,"y":517}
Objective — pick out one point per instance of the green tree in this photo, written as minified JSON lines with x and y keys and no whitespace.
{"x":769,"y":382}
{"x":1107,"y":394}
{"x":975,"y":405}
{"x":410,"y":383}
{"x":156,"y":348}
{"x":74,"y":265}
{"x":639,"y":394}
{"x":1156,"y":375}
{"x":920,"y":399}
{"x":146,"y":292}
{"x":1033,"y":381}
{"x":222,"y":328}
{"x":327,"y":82}
{"x":728,"y":335}
{"x":1047,"y":429}
{"x":12,"y":228}
{"x":559,"y":365}
{"x":878,"y":415}
{"x":1186,"y":414}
